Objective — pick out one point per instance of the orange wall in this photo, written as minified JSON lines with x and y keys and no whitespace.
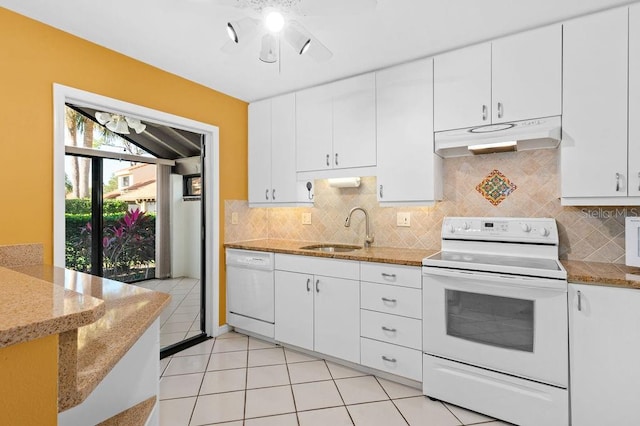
{"x":34,"y":56}
{"x":29,"y":383}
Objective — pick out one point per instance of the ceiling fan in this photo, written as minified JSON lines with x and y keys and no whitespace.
{"x":274,"y":20}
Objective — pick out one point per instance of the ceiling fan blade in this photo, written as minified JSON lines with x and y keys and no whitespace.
{"x":333,"y":7}
{"x":316,"y":49}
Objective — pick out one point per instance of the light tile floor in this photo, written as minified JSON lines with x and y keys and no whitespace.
{"x":236,"y":380}
{"x":181,"y":319}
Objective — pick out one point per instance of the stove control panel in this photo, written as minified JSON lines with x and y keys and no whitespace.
{"x":516,"y":229}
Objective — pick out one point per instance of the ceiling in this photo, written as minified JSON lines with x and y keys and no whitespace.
{"x":185,"y":37}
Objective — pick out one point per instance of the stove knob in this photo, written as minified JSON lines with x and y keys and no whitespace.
{"x":544,"y":232}
{"x":451,"y":228}
{"x":466,"y":226}
{"x":525,"y":227}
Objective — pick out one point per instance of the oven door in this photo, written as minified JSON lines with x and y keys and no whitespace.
{"x":511,"y":324}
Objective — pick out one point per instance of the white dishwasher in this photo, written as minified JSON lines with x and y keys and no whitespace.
{"x":250,"y":293}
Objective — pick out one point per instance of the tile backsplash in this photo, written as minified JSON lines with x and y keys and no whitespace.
{"x":586,"y":233}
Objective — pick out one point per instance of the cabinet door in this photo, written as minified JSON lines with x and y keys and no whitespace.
{"x":633,"y":166}
{"x":594,"y":117}
{"x":405,"y":134}
{"x":294,"y":309}
{"x":260,"y":152}
{"x":283,"y":149}
{"x":527,"y":75}
{"x":354,"y":122}
{"x":604,"y":347}
{"x":314,"y":129}
{"x":337,"y":318}
{"x":462,"y":88}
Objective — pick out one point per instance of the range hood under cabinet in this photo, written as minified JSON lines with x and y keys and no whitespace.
{"x":523,"y":135}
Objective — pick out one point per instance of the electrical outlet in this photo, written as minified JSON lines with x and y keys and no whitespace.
{"x":306,"y":218}
{"x":234,"y":218}
{"x":404,"y":219}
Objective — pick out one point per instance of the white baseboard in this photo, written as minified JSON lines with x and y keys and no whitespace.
{"x":222,"y":330}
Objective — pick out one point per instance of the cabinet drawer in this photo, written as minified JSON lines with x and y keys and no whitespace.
{"x":391,"y":358}
{"x":391,"y":329}
{"x":406,"y":276}
{"x":391,"y":299}
{"x":348,"y":269}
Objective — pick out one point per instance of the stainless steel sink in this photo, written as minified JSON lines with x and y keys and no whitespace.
{"x":331,"y":248}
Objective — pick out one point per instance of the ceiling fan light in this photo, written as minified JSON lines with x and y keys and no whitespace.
{"x":103,"y":117}
{"x":135,"y":124}
{"x":233,"y":35}
{"x":241,"y":29}
{"x":268,"y":51}
{"x":274,"y":21}
{"x":305,"y":47}
{"x":299,"y":41}
{"x":120,"y":125}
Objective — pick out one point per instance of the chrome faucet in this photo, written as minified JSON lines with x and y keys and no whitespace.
{"x":368,"y":239}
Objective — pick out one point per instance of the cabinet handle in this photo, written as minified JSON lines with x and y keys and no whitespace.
{"x":617,"y":182}
{"x":336,"y":159}
{"x":638,"y":181}
{"x":385,"y":275}
{"x":384,"y":299}
{"x":266,"y":195}
{"x":328,"y":160}
{"x":390,"y":330}
{"x":317,"y":288}
{"x":385,"y":358}
{"x":273,"y":194}
{"x":579,"y":301}
{"x":500,"y":112}
{"x":308,"y":283}
{"x":382,"y":195}
{"x":484,"y":112}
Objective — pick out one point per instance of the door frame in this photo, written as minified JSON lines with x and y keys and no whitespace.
{"x":65,"y":94}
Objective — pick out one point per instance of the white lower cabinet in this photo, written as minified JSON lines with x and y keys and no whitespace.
{"x":391,"y":319}
{"x":604,"y":345}
{"x":317,"y":311}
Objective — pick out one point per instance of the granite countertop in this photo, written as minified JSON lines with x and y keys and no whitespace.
{"x":611,"y":274}
{"x":86,"y":355}
{"x":32,"y":308}
{"x":398,"y":256}
{"x":596,"y":273}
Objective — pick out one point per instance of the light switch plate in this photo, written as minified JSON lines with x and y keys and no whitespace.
{"x":234,"y":218}
{"x":404,"y":219}
{"x":306,"y":218}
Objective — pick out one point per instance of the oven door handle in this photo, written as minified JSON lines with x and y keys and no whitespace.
{"x":500,"y":280}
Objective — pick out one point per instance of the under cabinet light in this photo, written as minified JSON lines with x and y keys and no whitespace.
{"x":349,"y":182}
{"x":487,"y":148}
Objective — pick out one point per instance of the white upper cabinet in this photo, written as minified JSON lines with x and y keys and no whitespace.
{"x":594,"y":118}
{"x":633,"y":167}
{"x":527,"y":75}
{"x":336,"y":126}
{"x":510,"y":79}
{"x":405,"y":135}
{"x":272,"y":159}
{"x":260,"y":152}
{"x":354,"y":122}
{"x":314,"y":129}
{"x":462,"y":88}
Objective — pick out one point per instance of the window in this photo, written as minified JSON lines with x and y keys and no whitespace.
{"x":125,"y":182}
{"x":192,"y":186}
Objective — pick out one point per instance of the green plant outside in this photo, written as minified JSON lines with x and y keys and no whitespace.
{"x":128,"y":244}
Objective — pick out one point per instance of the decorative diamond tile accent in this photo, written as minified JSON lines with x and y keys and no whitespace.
{"x":496,"y":187}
